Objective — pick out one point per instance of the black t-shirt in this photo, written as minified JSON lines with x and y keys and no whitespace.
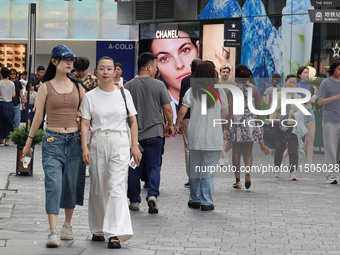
{"x":36,"y":81}
{"x":185,"y":85}
{"x":18,"y":87}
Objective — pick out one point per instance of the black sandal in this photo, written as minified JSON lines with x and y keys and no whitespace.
{"x":98,"y":238}
{"x":114,"y":243}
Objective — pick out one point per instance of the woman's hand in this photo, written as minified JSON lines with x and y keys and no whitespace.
{"x":136,"y":154}
{"x":86,"y":155}
{"x":27,"y":149}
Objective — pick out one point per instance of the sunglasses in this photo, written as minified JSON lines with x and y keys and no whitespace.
{"x":12,"y":73}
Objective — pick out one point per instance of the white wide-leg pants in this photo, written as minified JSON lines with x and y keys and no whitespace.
{"x":108,"y":206}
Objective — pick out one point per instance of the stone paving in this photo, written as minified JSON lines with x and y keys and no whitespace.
{"x":275,"y":216}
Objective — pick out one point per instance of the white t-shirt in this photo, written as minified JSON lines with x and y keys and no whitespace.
{"x":202,"y":134}
{"x":174,"y":105}
{"x":106,"y":110}
{"x":23,"y":87}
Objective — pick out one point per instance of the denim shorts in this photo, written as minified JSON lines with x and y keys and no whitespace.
{"x":310,"y":118}
{"x":64,"y":171}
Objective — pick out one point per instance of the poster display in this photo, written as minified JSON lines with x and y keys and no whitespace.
{"x":122,"y":52}
{"x":213,"y":48}
{"x":175,"y":45}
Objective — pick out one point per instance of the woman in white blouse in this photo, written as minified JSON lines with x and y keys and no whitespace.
{"x":104,"y":113}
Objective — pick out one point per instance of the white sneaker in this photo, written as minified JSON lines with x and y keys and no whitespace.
{"x":53,"y":239}
{"x":332,"y":181}
{"x":66,"y":232}
{"x":134,"y":206}
{"x":152,"y":203}
{"x":221,"y":162}
{"x":293,"y":176}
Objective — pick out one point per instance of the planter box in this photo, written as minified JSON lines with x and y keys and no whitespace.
{"x":20,"y":170}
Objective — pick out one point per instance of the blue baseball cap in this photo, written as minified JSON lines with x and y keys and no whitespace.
{"x":62,"y":51}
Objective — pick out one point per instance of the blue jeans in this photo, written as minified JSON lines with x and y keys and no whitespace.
{"x":151,"y":163}
{"x":17,"y":115}
{"x":64,"y":171}
{"x":6,"y":119}
{"x":201,"y":180}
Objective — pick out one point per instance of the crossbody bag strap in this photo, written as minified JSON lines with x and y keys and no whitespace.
{"x":84,"y":87}
{"x":127,"y":120}
{"x":124,"y":97}
{"x":77,"y":86}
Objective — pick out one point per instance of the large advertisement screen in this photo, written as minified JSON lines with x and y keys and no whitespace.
{"x":175,"y":45}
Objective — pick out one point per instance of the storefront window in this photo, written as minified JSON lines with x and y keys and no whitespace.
{"x":4,"y":18}
{"x":108,"y":22}
{"x":84,"y":20}
{"x":53,"y":19}
{"x":58,"y":19}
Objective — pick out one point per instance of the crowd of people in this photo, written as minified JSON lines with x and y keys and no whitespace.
{"x":118,"y":127}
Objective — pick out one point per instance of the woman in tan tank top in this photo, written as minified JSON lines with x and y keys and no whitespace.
{"x":62,"y":162}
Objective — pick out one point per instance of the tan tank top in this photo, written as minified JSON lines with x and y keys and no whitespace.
{"x":61,"y":109}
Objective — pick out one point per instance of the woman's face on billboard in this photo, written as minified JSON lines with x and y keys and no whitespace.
{"x":174,"y":57}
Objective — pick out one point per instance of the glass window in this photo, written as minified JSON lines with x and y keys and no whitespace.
{"x":58,"y":19}
{"x":4,"y":18}
{"x":108,"y":22}
{"x":84,"y":19}
{"x":19,"y":18}
{"x":53,"y":19}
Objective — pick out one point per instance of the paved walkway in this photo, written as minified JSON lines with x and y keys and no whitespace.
{"x":276,"y":216}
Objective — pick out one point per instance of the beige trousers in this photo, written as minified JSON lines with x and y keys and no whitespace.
{"x":108,"y":206}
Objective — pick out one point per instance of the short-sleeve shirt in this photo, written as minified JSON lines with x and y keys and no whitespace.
{"x":149,"y":96}
{"x":303,"y":85}
{"x":106,"y":110}
{"x":90,"y":81}
{"x":331,"y":111}
{"x":290,"y":109}
{"x":36,"y":81}
{"x":185,"y":85}
{"x":269,"y":92}
{"x":18,"y":87}
{"x":202,"y":135}
{"x":33,"y":96}
{"x":7,"y":89}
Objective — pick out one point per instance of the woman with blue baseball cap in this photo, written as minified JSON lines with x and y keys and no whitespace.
{"x":60,"y":97}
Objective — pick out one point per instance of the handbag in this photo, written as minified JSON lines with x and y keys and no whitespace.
{"x":128,"y":129}
{"x":274,"y":137}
